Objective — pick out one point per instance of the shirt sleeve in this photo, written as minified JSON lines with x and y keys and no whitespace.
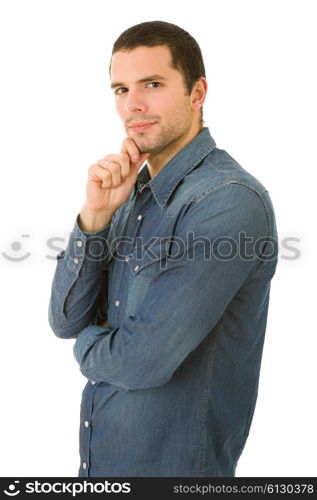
{"x":186,"y":298}
{"x":79,"y":284}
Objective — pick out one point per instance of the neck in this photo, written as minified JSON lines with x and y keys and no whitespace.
{"x":156,"y":162}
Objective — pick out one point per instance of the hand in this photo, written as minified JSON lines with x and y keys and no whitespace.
{"x":104,"y":323}
{"x":111,"y":179}
{"x":109,"y":184}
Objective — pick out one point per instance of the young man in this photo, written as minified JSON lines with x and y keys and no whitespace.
{"x":166,"y":277}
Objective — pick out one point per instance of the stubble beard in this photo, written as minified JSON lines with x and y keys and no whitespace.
{"x":167,"y":137}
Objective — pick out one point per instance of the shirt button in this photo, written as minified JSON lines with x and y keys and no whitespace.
{"x":139,"y":217}
{"x":127,"y":258}
{"x":86,"y":423}
{"x":117,"y":303}
{"x":92,"y":382}
{"x":136,"y":268}
{"x":84,"y":466}
{"x":76,"y":260}
{"x":79,"y":243}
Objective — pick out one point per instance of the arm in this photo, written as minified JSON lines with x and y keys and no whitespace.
{"x":183,"y":302}
{"x":80,"y":281}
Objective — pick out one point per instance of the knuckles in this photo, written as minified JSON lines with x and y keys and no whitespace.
{"x":117,"y":163}
{"x":125,"y":157}
{"x":114,"y":167}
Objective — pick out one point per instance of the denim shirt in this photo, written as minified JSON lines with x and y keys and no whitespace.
{"x":182,"y":272}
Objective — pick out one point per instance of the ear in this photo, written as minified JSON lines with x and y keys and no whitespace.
{"x":198,"y":93}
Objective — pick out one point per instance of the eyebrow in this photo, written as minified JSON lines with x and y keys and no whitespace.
{"x":149,"y":78}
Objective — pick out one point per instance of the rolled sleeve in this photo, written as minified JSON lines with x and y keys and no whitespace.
{"x":80,"y":276}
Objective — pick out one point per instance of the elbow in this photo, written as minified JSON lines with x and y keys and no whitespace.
{"x":58,"y":327}
{"x":105,"y":357}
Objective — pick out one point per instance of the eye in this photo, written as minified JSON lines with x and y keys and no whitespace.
{"x":155,"y":84}
{"x":120,"y":90}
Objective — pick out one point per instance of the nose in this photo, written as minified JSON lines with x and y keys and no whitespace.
{"x":135,"y":102}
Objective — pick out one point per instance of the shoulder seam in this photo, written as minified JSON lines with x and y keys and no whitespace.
{"x":202,"y":195}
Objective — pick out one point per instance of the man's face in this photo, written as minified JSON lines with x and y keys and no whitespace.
{"x":151,"y":98}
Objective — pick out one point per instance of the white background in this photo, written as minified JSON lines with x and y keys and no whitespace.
{"x":57,"y":117}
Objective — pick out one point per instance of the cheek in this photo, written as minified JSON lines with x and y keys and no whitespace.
{"x":174,"y":110}
{"x":120,"y":107}
{"x":166,"y":106}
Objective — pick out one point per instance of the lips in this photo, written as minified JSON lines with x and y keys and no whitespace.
{"x":140,"y":126}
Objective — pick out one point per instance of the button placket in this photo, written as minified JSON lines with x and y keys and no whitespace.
{"x":78,"y":246}
{"x":86,"y":427}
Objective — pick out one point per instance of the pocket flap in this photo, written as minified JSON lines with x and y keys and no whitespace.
{"x":154,"y":250}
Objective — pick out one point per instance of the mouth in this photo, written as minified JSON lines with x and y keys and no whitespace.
{"x":141,"y":126}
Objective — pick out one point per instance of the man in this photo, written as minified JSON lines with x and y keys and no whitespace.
{"x":166,"y":277}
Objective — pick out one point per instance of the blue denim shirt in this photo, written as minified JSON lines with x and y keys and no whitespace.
{"x":182,"y":272}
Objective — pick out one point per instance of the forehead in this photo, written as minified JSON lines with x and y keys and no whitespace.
{"x":136,"y":63}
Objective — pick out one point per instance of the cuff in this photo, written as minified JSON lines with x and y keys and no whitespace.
{"x":87,"y":252}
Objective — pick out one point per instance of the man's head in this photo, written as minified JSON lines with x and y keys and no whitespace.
{"x":158,"y":77}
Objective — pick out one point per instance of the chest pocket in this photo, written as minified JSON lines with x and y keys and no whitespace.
{"x":145,"y":264}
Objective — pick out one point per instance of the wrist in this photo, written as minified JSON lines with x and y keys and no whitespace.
{"x":91,"y":221}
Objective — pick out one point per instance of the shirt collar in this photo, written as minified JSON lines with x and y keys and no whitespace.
{"x":164,"y":183}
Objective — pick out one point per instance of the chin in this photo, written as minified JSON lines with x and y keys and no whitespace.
{"x":143,"y":146}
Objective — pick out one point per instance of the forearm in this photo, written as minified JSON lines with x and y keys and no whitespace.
{"x":80,"y":283}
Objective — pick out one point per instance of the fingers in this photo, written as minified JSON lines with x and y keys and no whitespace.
{"x":136,"y":157}
{"x":99,"y":174}
{"x":122,"y":160}
{"x":113,"y":169}
{"x":129,"y":147}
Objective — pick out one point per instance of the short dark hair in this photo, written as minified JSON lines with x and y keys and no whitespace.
{"x":185,"y":51}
